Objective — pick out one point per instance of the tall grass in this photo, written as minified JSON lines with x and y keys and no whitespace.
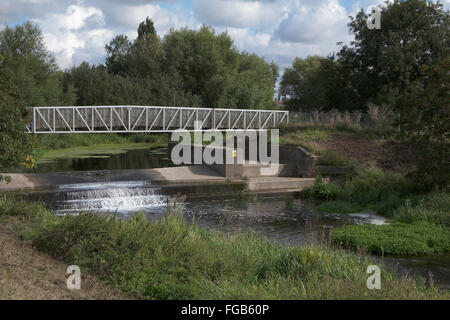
{"x":434,"y":208}
{"x":171,"y":259}
{"x":421,"y":220}
{"x":369,"y":188}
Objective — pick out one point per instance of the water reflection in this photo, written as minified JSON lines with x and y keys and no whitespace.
{"x":132,"y":159}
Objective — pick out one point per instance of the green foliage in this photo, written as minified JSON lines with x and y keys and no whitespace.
{"x":170,"y":259}
{"x":425,"y":123}
{"x":308,"y":138}
{"x":378,"y":66}
{"x":421,"y":223}
{"x":387,"y":61}
{"x":146,"y":29}
{"x":322,"y":190}
{"x":317,"y":83}
{"x":117,"y":52}
{"x":14,"y":142}
{"x":332,"y":158}
{"x":13,"y":207}
{"x":418,"y":238}
{"x":187,"y":68}
{"x":33,"y":70}
{"x":369,"y":188}
{"x":434,"y":208}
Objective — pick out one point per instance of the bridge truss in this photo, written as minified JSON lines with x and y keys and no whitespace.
{"x":107,"y":119}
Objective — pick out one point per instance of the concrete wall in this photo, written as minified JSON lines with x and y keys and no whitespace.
{"x":294,"y":161}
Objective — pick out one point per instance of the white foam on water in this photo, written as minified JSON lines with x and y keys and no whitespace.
{"x":124,"y":196}
{"x":370,"y":217}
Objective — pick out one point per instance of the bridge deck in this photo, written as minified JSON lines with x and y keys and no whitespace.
{"x":106,"y":119}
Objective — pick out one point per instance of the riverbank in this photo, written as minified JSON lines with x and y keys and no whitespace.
{"x":170,"y":259}
{"x":27,"y":273}
{"x":419,"y":219}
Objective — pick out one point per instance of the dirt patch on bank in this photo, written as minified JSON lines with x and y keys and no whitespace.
{"x":26,"y":273}
{"x":357,"y":149}
{"x":387,"y":155}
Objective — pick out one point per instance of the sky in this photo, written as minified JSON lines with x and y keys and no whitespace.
{"x":279,"y":30}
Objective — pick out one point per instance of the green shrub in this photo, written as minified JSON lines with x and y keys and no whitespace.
{"x":332,"y":158}
{"x":322,"y":190}
{"x":435,"y":209}
{"x":369,"y":188}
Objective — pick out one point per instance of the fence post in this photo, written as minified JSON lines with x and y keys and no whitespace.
{"x":33,"y":123}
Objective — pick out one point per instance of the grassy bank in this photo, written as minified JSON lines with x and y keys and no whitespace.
{"x":369,"y":189}
{"x":420,"y":218}
{"x":170,"y":259}
{"x":418,"y":238}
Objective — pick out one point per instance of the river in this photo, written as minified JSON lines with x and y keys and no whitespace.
{"x":282,"y":218}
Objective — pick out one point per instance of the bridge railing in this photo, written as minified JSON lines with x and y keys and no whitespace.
{"x":107,"y":119}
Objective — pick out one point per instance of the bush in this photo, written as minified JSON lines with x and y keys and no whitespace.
{"x":369,"y":188}
{"x":332,"y":158}
{"x":322,"y":190}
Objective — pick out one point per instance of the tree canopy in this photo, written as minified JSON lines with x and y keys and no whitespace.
{"x":191,"y":68}
{"x":378,"y":66}
{"x":15,"y":144}
{"x":32,"y":68}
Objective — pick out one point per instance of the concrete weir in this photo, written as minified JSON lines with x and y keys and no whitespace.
{"x":193,"y":175}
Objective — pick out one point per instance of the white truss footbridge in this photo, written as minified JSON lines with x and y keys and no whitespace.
{"x":121,"y":119}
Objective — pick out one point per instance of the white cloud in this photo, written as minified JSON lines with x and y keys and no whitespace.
{"x":324,"y":22}
{"x":240,"y":13}
{"x":72,"y":34}
{"x":77,"y":30}
{"x":128,"y":17}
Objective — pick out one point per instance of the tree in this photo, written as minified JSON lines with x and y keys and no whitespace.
{"x":117,"y":54}
{"x":15,"y":143}
{"x":212,"y":68}
{"x":32,"y":68}
{"x":188,"y":67}
{"x":207,"y":63}
{"x":425,"y":122}
{"x":255,"y":82}
{"x":146,"y":29}
{"x":298,"y":87}
{"x":387,"y":61}
{"x":318,"y":83}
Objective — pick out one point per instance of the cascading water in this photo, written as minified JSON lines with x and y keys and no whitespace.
{"x":123,"y":197}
